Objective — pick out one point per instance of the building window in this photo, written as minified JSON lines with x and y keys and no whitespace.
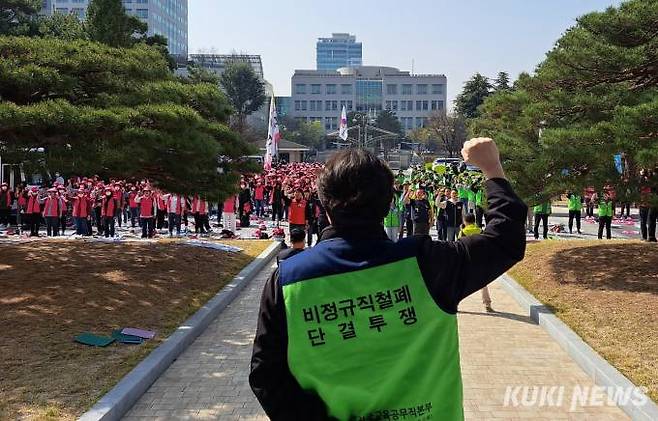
{"x":331,"y":89}
{"x":407,"y":89}
{"x":63,"y":10}
{"x":331,"y":105}
{"x":142,"y":13}
{"x":298,"y":105}
{"x":392,"y":105}
{"x":347,"y":104}
{"x":437,"y":89}
{"x":421,"y":122}
{"x":391,"y":89}
{"x":304,"y":106}
{"x":437,"y":105}
{"x":406,"y":105}
{"x":315,"y":89}
{"x":421,"y":89}
{"x":300,"y":89}
{"x":79,"y":12}
{"x":331,"y":123}
{"x":419,"y":105}
{"x":312,"y":104}
{"x":346,"y":89}
{"x":407,"y":123}
{"x":425,"y":105}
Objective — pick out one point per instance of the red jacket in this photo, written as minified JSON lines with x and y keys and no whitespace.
{"x":80,"y":207}
{"x":5,"y":199}
{"x":131,"y":199}
{"x":52,"y":207}
{"x":109,"y":207}
{"x":199,"y":205}
{"x":33,"y":205}
{"x":146,"y":207}
{"x":297,"y":213}
{"x":175,"y":204}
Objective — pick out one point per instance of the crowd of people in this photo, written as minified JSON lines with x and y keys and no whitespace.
{"x":91,"y":206}
{"x":428,"y":196}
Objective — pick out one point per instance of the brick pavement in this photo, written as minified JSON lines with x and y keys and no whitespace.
{"x":209,"y":380}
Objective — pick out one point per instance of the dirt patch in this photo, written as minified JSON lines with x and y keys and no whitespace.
{"x":52,"y":291}
{"x":607,"y":293}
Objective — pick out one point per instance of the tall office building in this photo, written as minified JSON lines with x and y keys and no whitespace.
{"x":320,"y":95}
{"x":164,"y":17}
{"x":217,"y":62}
{"x":341,"y":50}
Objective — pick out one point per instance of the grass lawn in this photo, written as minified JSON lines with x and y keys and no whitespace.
{"x":51,"y":291}
{"x":607,"y":292}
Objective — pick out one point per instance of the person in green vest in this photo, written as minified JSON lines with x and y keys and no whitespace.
{"x":605,"y":216}
{"x":575,"y":204}
{"x":468,"y":229}
{"x":471,"y":196}
{"x":480,"y":206}
{"x":360,"y":327}
{"x":542,"y":211}
{"x":393,"y":219}
{"x":462,"y":193}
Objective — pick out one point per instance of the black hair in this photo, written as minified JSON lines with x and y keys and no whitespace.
{"x":297,"y":235}
{"x":469,"y":218}
{"x":355,"y":183}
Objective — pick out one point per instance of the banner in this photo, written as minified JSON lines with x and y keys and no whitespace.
{"x":342,"y":129}
{"x":273,"y":137}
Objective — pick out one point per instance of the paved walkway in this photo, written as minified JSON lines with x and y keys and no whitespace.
{"x":209,"y":381}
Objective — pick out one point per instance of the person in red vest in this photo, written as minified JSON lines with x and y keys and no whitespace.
{"x":147,"y":205}
{"x":61,"y":191}
{"x":52,"y":207}
{"x":81,"y":211}
{"x":134,"y":206}
{"x":109,"y":206}
{"x":117,"y":194}
{"x":200,"y":211}
{"x":6,"y":200}
{"x":33,"y":211}
{"x":259,"y":199}
{"x":228,"y":213}
{"x":161,"y":210}
{"x":21,"y":201}
{"x":175,"y":209}
{"x":297,"y":212}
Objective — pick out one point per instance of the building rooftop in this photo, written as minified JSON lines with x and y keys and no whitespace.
{"x":363,"y":71}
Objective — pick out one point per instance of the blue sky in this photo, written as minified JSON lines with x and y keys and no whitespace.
{"x":456,"y":38}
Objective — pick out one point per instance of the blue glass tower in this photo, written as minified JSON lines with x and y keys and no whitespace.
{"x":341,"y":50}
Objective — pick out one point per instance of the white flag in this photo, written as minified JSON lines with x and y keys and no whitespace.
{"x":342,"y":129}
{"x":273,"y":136}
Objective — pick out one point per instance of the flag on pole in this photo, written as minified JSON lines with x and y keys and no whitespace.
{"x":342,"y":129}
{"x":273,"y":137}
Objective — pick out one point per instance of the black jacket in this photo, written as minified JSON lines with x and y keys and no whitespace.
{"x":451,"y":270}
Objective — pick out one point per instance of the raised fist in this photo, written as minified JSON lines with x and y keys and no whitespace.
{"x":483,"y":153}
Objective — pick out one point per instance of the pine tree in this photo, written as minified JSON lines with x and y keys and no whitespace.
{"x":472,"y":96}
{"x":502,"y":82}
{"x":108,"y":22}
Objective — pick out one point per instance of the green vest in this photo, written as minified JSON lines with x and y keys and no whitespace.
{"x":462,"y":193}
{"x":468,"y":230}
{"x":543,"y":209}
{"x":393,"y":218}
{"x":575,"y":203}
{"x":381,"y":317}
{"x":605,"y":208}
{"x":480,"y":199}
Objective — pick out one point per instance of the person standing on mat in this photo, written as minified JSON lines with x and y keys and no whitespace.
{"x":606,"y":211}
{"x":542,"y":211}
{"x":146,"y":212}
{"x":575,"y":211}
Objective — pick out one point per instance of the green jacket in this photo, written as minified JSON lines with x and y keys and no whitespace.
{"x":543,"y":209}
{"x":605,"y":208}
{"x":575,"y":204}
